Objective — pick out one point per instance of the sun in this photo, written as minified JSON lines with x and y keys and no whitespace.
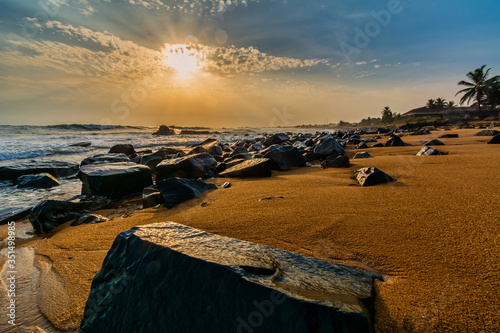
{"x":185,"y":59}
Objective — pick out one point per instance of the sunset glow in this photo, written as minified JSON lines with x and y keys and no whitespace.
{"x":182,"y":58}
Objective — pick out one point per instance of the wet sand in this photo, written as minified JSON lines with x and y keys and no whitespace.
{"x":434,"y":234}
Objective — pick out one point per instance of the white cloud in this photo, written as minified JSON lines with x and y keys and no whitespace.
{"x":377,"y":66}
{"x":361,"y":63}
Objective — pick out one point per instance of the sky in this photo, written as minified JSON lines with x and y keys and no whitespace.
{"x":236,"y":63}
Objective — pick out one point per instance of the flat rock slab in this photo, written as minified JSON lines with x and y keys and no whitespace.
{"x":41,"y":180}
{"x":105,"y":158}
{"x":372,"y":176}
{"x":30,"y":167}
{"x":167,"y":277}
{"x":257,"y":167}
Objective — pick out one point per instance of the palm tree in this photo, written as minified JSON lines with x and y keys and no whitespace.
{"x":450,"y":104}
{"x":387,"y":115}
{"x":493,"y":92}
{"x":476,"y":89}
{"x":440,"y":103}
{"x":431,"y":104}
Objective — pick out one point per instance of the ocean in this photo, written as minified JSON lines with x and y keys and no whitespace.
{"x":35,"y":144}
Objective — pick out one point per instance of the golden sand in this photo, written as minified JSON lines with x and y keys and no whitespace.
{"x":434,"y":233}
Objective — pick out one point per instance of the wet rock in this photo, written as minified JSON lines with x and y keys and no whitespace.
{"x":377,"y":145}
{"x":195,"y":166}
{"x":337,"y":162}
{"x":447,"y":136}
{"x":274,"y":139}
{"x":115,"y":180}
{"x":89,"y":219}
{"x":30,"y":167}
{"x":164,"y":130}
{"x":41,"y":180}
{"x":105,"y":158}
{"x":285,"y":158}
{"x":428,"y":151}
{"x":362,"y":154}
{"x":495,"y":139}
{"x":487,"y":133}
{"x":81,"y":144}
{"x":151,"y":197}
{"x":372,"y":176}
{"x":434,"y":142}
{"x":258,"y":167}
{"x":177,"y":190}
{"x":256,"y":146}
{"x":329,"y":147}
{"x":215,"y":151}
{"x":126,"y":149}
{"x":13,"y":213}
{"x":49,"y":214}
{"x":395,"y":141}
{"x":197,"y":150}
{"x":169,"y":277}
{"x":164,"y":152}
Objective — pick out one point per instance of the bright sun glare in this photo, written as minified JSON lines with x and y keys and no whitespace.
{"x":183,"y":58}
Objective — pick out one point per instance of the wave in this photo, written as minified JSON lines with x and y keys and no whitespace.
{"x":91,"y":127}
{"x":46,"y":151}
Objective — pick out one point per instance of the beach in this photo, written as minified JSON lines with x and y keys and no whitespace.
{"x":433,"y":234}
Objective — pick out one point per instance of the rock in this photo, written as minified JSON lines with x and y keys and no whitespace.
{"x":434,"y":142}
{"x":105,"y":158}
{"x":197,"y":150}
{"x":41,"y":180}
{"x":487,"y":133}
{"x":428,"y":151}
{"x":194,"y":132}
{"x":256,"y":146}
{"x":89,"y":219}
{"x":239,"y":150}
{"x":14,"y":213}
{"x":115,"y":180}
{"x":215,"y":150}
{"x":447,"y":136}
{"x":285,"y":158}
{"x":395,"y":141}
{"x":81,"y":144}
{"x":371,"y":176}
{"x":194,"y":166}
{"x":338,"y":162}
{"x":150,"y":160}
{"x":177,"y":190}
{"x":126,"y":149}
{"x":495,"y":139}
{"x":258,"y":167}
{"x":226,"y":185}
{"x":30,"y":167}
{"x":164,"y":152}
{"x":274,"y":139}
{"x":49,"y":214}
{"x":166,"y":277}
{"x":362,"y":154}
{"x":271,"y":198}
{"x":151,"y":197}
{"x":361,"y":145}
{"x":206,"y":143}
{"x":377,"y":145}
{"x":329,"y":147}
{"x":164,"y":130}
{"x":312,"y":156}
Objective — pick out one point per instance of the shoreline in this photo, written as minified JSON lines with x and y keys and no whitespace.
{"x":431,"y":233}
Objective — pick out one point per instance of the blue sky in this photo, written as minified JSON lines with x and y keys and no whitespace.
{"x":237,"y":62}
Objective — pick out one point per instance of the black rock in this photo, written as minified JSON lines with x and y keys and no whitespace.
{"x":329,"y":147}
{"x":258,"y":167}
{"x":215,"y":151}
{"x":13,"y":213}
{"x":226,"y":185}
{"x":164,"y":152}
{"x":428,"y":151}
{"x":164,"y":130}
{"x":495,"y":139}
{"x":285,"y":158}
{"x":126,"y":149}
{"x":195,"y":166}
{"x":49,"y":214}
{"x":312,"y":156}
{"x":41,"y":180}
{"x":371,"y":176}
{"x":434,"y":142}
{"x":151,"y":161}
{"x":89,"y":219}
{"x":361,"y":145}
{"x":337,"y":162}
{"x":166,"y":277}
{"x":177,"y":190}
{"x":278,"y":138}
{"x":81,"y":144}
{"x":105,"y":158}
{"x":487,"y":133}
{"x":447,"y":136}
{"x":395,"y":141}
{"x":377,"y":145}
{"x":197,"y":150}
{"x":151,"y":197}
{"x":362,"y":154}
{"x":30,"y":167}
{"x":115,"y":180}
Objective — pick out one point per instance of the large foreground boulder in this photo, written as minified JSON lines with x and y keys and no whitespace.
{"x":372,"y":176}
{"x":175,"y":191}
{"x":495,"y":139}
{"x":257,"y":167}
{"x":429,"y":151}
{"x":193,"y":166}
{"x":166,"y":277}
{"x":30,"y":167}
{"x":41,"y":180}
{"x":329,"y":147}
{"x":49,"y":214}
{"x":114,"y":180}
{"x":285,"y":158}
